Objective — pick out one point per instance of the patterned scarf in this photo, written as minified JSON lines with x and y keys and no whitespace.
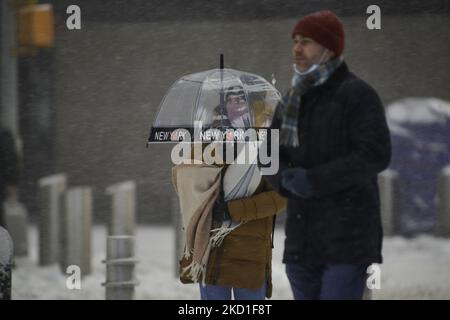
{"x":289,"y":106}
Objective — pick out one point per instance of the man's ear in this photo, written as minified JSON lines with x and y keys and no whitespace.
{"x":327,"y":55}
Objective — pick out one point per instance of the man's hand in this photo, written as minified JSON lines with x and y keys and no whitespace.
{"x":276,"y":180}
{"x":296,"y":182}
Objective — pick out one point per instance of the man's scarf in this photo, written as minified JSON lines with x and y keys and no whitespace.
{"x":289,"y":106}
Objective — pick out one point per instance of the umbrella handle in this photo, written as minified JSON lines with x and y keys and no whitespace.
{"x":222,"y":102}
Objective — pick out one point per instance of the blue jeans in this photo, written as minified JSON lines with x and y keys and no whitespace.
{"x":327,"y":282}
{"x":213,"y":292}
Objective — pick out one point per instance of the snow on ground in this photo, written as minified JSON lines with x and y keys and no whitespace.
{"x":413,"y":269}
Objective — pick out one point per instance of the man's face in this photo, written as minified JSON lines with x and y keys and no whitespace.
{"x":306,"y":52}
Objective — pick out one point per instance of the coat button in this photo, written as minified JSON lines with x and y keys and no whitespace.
{"x":299,"y":216}
{"x":295,"y":257}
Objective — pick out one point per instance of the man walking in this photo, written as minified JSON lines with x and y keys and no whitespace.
{"x":334,"y":140}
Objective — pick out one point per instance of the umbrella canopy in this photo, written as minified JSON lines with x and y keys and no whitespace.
{"x":219,"y":98}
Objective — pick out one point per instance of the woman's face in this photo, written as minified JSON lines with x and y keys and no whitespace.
{"x":236,"y":106}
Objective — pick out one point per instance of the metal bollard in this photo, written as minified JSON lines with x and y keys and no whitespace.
{"x":387,"y":185}
{"x":123,"y":208}
{"x":76,"y":228}
{"x":120,"y":268}
{"x":118,"y":247}
{"x":49,"y":207}
{"x":443,"y":220}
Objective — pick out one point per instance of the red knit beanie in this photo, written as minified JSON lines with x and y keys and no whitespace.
{"x":325,"y":28}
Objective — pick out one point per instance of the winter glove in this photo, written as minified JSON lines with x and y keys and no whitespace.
{"x":220,"y":209}
{"x":276,"y":179}
{"x":296,"y":182}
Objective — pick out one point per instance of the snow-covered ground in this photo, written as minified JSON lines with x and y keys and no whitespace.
{"x":413,"y":269}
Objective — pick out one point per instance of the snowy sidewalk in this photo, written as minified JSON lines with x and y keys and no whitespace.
{"x":412,"y":269}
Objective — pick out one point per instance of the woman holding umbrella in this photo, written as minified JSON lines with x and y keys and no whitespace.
{"x":240,"y":265}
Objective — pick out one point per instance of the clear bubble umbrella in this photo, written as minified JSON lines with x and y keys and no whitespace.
{"x":218,"y":98}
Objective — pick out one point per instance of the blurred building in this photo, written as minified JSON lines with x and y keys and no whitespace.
{"x":86,"y":104}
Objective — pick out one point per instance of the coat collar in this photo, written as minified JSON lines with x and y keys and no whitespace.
{"x":333,"y":81}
